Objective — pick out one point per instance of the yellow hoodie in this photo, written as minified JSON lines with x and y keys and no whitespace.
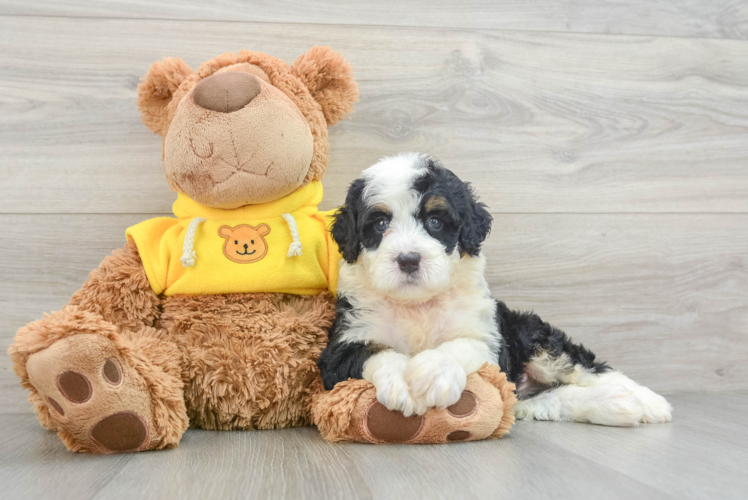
{"x":281,"y":246}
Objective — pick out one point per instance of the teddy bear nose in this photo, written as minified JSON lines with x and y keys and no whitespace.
{"x":226,"y":92}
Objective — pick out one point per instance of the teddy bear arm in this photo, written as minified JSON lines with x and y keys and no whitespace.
{"x":119,"y":291}
{"x":351,"y":412}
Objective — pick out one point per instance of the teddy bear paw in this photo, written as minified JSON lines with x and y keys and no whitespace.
{"x":101,"y":402}
{"x":440,"y":425}
{"x":484,"y":410}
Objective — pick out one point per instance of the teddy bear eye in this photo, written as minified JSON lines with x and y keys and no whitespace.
{"x":252,"y":241}
{"x":236,"y":242}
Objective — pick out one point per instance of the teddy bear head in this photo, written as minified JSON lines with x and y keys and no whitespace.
{"x":246,"y":128}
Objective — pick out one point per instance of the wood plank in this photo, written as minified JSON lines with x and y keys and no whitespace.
{"x":543,"y":122}
{"x":662,"y":297}
{"x":700,"y":464}
{"x":298,"y":463}
{"x":693,"y":18}
{"x":537,"y":460}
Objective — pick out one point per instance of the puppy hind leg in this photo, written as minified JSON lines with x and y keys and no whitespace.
{"x":569,"y":386}
{"x":655,"y":408}
{"x":611,"y":404}
{"x":564,"y":390}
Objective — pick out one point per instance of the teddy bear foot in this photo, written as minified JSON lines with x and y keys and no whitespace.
{"x":99,"y":401}
{"x":351,"y":412}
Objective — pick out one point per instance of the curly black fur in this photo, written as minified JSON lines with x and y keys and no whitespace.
{"x":343,"y":360}
{"x":525,"y":335}
{"x":470,"y":221}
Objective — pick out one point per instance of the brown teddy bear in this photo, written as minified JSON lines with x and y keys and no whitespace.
{"x":216,"y":317}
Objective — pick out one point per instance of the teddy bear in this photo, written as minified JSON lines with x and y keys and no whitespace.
{"x":216,"y":317}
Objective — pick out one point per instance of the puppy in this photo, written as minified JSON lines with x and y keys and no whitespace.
{"x":415,"y":315}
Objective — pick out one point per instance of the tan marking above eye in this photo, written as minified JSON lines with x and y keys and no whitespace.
{"x":436,"y":203}
{"x":381,"y":207}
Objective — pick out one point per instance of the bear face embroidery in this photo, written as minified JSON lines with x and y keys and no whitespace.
{"x":244,"y":243}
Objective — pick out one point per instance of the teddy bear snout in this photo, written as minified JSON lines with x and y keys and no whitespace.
{"x":226,"y":92}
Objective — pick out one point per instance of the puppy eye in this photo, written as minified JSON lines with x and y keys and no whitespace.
{"x":381,"y":225}
{"x":435,"y":224}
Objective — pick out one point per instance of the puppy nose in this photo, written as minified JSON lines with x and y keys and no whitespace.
{"x":226,"y":92}
{"x":409,"y":262}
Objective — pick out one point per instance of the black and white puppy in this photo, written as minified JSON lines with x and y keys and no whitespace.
{"x":415,"y":315}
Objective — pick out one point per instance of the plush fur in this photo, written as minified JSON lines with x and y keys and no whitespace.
{"x":415,"y":316}
{"x":151,"y":365}
{"x":251,"y":359}
{"x":155,"y":383}
{"x":165,"y":94}
{"x":330,"y":81}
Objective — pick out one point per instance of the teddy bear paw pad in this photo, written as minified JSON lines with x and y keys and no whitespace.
{"x":124,"y":431}
{"x":391,"y":426}
{"x":465,"y":406}
{"x":93,"y":393}
{"x":458,"y":436}
{"x":74,"y":386}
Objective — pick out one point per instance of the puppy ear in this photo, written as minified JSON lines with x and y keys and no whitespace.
{"x":345,"y":223}
{"x":156,"y":90}
{"x":329,"y":77}
{"x":476,"y":224}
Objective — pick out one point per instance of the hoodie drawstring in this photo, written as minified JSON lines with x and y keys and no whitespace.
{"x":188,"y":254}
{"x":294,"y":248}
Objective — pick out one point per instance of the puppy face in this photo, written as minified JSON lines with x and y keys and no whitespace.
{"x":407,"y":223}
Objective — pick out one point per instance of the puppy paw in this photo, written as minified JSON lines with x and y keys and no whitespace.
{"x":392,"y":392}
{"x":385,"y":372}
{"x":614,"y":405}
{"x":537,"y":409}
{"x":435,"y":379}
{"x":656,"y":409}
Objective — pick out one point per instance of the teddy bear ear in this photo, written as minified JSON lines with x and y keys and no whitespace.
{"x":156,"y":90}
{"x":329,"y":77}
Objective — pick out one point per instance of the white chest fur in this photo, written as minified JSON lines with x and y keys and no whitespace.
{"x":464,"y":310}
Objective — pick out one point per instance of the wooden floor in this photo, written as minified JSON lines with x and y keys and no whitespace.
{"x":702,"y":454}
{"x":609,"y":139}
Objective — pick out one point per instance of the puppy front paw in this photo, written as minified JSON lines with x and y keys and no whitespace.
{"x":393,"y":393}
{"x":385,"y":371}
{"x":435,"y":379}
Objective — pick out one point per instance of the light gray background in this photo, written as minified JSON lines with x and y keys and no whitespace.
{"x":610,"y":140}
